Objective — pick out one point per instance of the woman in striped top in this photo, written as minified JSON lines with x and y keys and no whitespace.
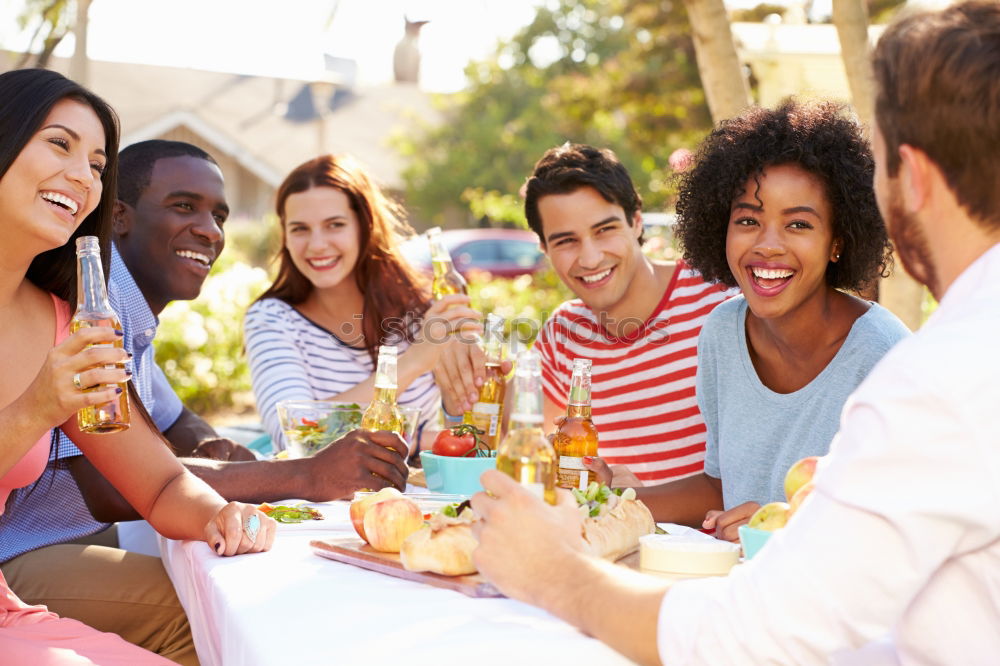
{"x":342,"y":290}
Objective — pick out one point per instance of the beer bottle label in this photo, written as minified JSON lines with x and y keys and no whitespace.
{"x":572,"y":473}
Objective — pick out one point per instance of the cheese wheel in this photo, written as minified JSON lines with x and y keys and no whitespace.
{"x":686,"y":555}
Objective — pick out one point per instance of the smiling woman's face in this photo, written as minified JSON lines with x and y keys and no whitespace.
{"x":780,"y":240}
{"x":322,"y":234}
{"x":55,"y":182}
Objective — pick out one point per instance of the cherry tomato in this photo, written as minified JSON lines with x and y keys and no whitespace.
{"x":457,"y":441}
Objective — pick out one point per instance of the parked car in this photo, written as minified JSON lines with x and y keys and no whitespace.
{"x":502,"y":252}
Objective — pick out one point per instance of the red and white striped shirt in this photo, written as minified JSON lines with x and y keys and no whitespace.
{"x":643,"y":387}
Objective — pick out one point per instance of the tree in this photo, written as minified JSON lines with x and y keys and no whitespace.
{"x":54,"y":24}
{"x":899,"y":292}
{"x":851,"y":19}
{"x":615,"y":73}
{"x":721,"y":72}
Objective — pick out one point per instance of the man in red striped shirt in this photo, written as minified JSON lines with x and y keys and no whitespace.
{"x":636,"y":319}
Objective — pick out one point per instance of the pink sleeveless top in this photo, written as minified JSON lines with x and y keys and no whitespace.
{"x":30,"y":467}
{"x":33,"y":634}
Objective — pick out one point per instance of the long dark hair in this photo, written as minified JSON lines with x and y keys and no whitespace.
{"x":392,"y":291}
{"x":26,"y":97}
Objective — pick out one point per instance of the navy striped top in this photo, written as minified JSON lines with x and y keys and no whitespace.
{"x":293,"y":358}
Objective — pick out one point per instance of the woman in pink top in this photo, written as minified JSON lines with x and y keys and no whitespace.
{"x":58,"y":168}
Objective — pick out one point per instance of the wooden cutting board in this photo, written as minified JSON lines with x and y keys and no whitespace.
{"x":352,"y":550}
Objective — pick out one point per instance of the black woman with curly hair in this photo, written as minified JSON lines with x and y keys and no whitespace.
{"x":780,"y":203}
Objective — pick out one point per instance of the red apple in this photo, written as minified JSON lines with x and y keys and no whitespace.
{"x":360,"y":506}
{"x":799,"y":497}
{"x":389,"y":522}
{"x":799,"y":475}
{"x":770,"y":516}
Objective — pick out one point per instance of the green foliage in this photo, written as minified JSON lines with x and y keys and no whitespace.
{"x":199,"y":344}
{"x":758,"y":13}
{"x":614,"y":73}
{"x":504,"y":209}
{"x":525,"y":302}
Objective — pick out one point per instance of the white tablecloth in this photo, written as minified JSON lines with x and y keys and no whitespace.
{"x":289,"y":606}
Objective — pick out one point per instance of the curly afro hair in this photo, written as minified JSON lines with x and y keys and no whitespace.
{"x":818,"y":137}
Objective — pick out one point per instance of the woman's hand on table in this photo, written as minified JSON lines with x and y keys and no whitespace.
{"x":240,"y":528}
{"x":726,"y":523}
{"x":72,"y":366}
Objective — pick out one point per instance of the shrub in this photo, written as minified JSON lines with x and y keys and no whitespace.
{"x":199,"y":344}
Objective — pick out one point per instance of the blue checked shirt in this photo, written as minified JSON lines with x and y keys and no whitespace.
{"x":53,"y":511}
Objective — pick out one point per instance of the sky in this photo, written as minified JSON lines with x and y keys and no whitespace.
{"x":287,"y":39}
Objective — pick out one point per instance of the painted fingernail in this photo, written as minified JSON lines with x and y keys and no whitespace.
{"x":588,"y":459}
{"x":119,"y":333}
{"x":218,"y":547}
{"x":118,"y":389}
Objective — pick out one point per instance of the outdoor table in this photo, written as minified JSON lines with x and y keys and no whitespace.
{"x":290,"y":606}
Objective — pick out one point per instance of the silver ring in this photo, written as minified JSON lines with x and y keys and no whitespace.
{"x":77,"y":383}
{"x":251,"y":527}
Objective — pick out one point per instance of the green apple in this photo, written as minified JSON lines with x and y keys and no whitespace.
{"x":770,"y":516}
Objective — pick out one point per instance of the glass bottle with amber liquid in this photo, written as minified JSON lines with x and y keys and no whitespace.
{"x":447,"y":280}
{"x":383,"y":413}
{"x":525,"y":453}
{"x":576,"y":437}
{"x":93,"y":309}
{"x":487,"y":413}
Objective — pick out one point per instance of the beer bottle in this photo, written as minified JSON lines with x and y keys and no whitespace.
{"x":576,"y":437}
{"x":487,"y":413}
{"x":525,"y":453}
{"x":447,"y":280}
{"x":383,"y":413}
{"x":93,"y":309}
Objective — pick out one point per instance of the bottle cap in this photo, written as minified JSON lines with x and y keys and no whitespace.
{"x":87,"y":245}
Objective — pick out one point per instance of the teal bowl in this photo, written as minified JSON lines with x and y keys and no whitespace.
{"x":752,"y":540}
{"x":456,"y":476}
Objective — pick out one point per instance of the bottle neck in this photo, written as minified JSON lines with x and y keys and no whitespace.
{"x":578,"y":411}
{"x":442,"y":266}
{"x":528,"y":411}
{"x":91,"y":292}
{"x":385,"y":373}
{"x":385,"y":394}
{"x":579,"y":388}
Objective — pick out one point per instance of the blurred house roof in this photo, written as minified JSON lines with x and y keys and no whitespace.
{"x":268,"y":125}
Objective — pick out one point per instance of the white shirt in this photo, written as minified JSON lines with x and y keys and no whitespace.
{"x":895,"y":557}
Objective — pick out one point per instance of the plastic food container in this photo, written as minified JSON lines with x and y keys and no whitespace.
{"x":686,"y":555}
{"x":450,"y":474}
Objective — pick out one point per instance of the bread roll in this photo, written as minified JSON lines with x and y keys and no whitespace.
{"x":442,"y":547}
{"x":616,"y":534}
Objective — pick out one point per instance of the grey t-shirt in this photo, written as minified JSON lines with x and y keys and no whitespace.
{"x":755,"y":434}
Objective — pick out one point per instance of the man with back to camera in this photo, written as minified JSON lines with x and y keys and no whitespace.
{"x":169,"y":223}
{"x":895,"y":556}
